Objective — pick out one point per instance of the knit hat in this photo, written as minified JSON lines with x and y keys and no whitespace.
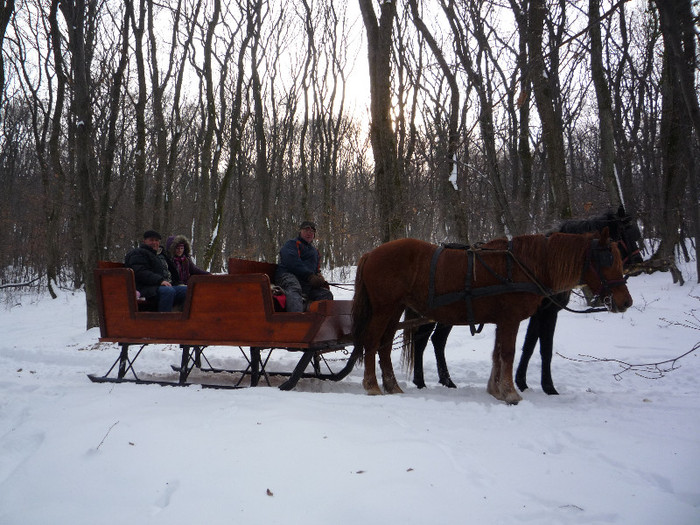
{"x":152,"y":234}
{"x":308,"y":224}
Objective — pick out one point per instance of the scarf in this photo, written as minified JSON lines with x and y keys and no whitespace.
{"x":183,"y":268}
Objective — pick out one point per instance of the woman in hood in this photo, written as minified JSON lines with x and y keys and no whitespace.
{"x":180,"y":253}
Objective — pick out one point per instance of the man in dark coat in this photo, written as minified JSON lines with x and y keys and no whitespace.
{"x":299,"y":270}
{"x":155,"y":273}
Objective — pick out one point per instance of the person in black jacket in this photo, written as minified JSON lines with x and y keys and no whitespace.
{"x":155,"y":273}
{"x":299,"y":270}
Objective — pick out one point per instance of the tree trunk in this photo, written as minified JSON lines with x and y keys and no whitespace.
{"x":605,"y":111}
{"x":545,"y":88}
{"x":137,"y":226}
{"x":388,"y":183}
{"x":235,"y":163}
{"x":6,"y":9}
{"x":458,"y":211}
{"x":677,"y":26}
{"x":81,"y":121}
{"x":158,"y":86}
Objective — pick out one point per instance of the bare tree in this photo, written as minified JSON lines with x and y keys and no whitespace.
{"x":138,"y":25}
{"x":545,"y":83}
{"x":79,"y":26}
{"x":46,"y":124}
{"x":605,"y":111}
{"x":7,"y":8}
{"x":679,"y":30}
{"x":450,"y":164}
{"x":389,"y":185}
{"x":235,"y":166}
{"x":472,"y":64}
{"x":676,"y":123}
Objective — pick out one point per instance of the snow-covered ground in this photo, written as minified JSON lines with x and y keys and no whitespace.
{"x":609,"y":449}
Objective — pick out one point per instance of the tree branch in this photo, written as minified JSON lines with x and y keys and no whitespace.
{"x":646,"y":370}
{"x":19,"y":285}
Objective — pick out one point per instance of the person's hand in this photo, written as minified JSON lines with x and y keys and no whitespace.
{"x":165,"y":283}
{"x":317,"y":280}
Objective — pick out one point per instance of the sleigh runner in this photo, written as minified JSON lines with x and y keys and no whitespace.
{"x":235,"y":310}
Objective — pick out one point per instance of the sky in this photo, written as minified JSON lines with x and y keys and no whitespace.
{"x":615,"y":447}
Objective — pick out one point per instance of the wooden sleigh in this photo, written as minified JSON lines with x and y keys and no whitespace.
{"x":220,"y":310}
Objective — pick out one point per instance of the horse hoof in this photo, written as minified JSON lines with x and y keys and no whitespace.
{"x":419,"y":385}
{"x":372,"y":389}
{"x":512,"y":398}
{"x":393,"y":388}
{"x":550,"y":390}
{"x":521,"y":383}
{"x":448,"y":383}
{"x":495,"y":392}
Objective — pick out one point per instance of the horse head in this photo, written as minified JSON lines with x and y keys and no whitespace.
{"x":603,"y":274}
{"x":628,"y":238}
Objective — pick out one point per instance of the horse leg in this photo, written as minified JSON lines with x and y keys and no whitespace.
{"x":420,"y":341}
{"x":439,"y":340}
{"x":501,"y":382}
{"x":531,"y":337}
{"x":372,"y":341}
{"x":547,"y":349}
{"x":369,"y":381}
{"x":378,"y":339}
{"x":391,"y":385}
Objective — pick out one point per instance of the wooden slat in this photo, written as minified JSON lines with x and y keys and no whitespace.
{"x":244,"y":266}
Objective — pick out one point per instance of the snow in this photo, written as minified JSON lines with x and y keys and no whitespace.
{"x":622,"y":450}
{"x":453,"y":174}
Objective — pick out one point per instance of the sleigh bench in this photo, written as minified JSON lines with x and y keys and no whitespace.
{"x":235,"y":309}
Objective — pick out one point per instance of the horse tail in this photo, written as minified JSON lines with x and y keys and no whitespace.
{"x":408,"y":350}
{"x":361,"y":312}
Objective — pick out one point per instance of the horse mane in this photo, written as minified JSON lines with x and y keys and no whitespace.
{"x":557,"y":259}
{"x":565,"y":257}
{"x":593,"y":224}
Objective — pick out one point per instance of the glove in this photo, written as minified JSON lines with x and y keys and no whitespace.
{"x":316,"y":280}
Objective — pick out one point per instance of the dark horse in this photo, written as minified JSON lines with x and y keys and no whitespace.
{"x":542,"y":324}
{"x":501,"y":282}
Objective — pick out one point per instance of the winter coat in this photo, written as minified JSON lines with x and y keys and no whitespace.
{"x":299,"y":258}
{"x":184,"y":264}
{"x":150,"y":269}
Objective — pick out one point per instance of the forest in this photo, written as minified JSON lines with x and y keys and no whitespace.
{"x":444,"y":120}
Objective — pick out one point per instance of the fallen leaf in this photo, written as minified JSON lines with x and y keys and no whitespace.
{"x":269,"y":492}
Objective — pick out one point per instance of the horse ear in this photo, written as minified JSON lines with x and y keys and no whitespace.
{"x":622,"y":214}
{"x":604,"y":236}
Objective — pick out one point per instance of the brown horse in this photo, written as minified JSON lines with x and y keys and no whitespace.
{"x":501,"y":282}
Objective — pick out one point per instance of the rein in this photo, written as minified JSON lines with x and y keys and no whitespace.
{"x":348,"y":287}
{"x":596,"y":258}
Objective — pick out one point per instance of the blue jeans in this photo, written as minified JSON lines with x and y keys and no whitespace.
{"x":169,"y":296}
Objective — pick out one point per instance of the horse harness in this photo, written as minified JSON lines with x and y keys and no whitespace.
{"x":597,"y":257}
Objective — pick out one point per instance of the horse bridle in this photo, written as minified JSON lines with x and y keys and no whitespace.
{"x":598,"y":257}
{"x":630,"y":236}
